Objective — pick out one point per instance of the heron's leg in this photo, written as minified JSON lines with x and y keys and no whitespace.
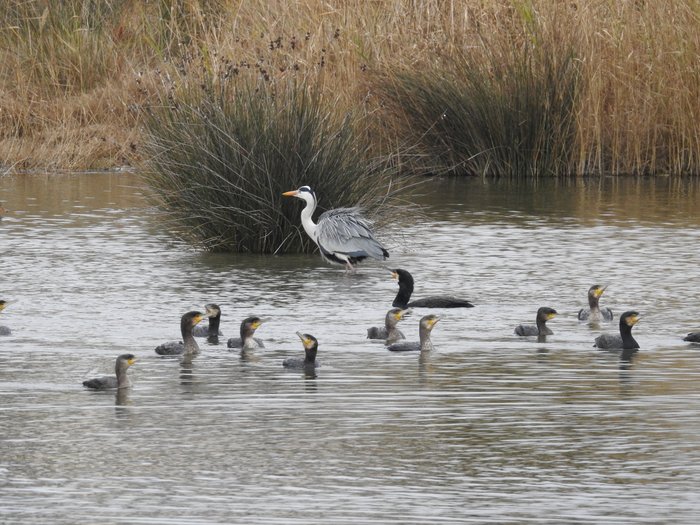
{"x":349,"y":268}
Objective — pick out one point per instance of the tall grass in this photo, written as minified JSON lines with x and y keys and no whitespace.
{"x":74,"y":74}
{"x":222,"y":155}
{"x":492,"y":110}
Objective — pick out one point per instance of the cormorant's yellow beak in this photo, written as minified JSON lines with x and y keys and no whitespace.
{"x":197,"y":318}
{"x":401,"y":314}
{"x":395,"y":275}
{"x":305,"y":340}
{"x":131,"y":361}
{"x":551,"y":316}
{"x":433,"y":322}
{"x":2,"y":307}
{"x":292,"y":193}
{"x":633,"y":320}
{"x":599,"y":291}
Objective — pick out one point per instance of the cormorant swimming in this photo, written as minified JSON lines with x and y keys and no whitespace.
{"x":425,"y":326}
{"x":120,"y":380}
{"x":403,"y":297}
{"x":544,"y":314}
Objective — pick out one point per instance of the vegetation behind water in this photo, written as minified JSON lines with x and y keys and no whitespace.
{"x":532,"y":87}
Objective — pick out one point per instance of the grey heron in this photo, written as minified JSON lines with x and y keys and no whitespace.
{"x":594,"y":312}
{"x":425,"y":326}
{"x":246,"y":341}
{"x":544,"y":314}
{"x":188,"y":345}
{"x":310,"y":350}
{"x":4,"y":330}
{"x":119,"y":380}
{"x":403,"y":296}
{"x":389,"y":332}
{"x":342,"y":235}
{"x":213,"y":312}
{"x":623,"y":341}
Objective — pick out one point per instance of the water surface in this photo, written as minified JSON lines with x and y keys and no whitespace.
{"x":487,"y":428}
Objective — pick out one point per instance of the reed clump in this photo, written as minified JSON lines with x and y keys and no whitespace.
{"x":222,"y":154}
{"x":494,"y":109}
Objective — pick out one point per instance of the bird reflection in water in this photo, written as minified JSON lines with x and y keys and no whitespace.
{"x":187,"y":369}
{"x":426,"y":366}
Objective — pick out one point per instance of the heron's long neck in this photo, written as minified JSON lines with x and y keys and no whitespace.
{"x":306,"y":220}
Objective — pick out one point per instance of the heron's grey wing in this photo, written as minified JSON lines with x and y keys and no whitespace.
{"x":346,"y":231}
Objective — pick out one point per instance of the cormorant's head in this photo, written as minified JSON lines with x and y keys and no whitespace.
{"x":429,"y":321}
{"x":398,"y":313}
{"x":3,"y":304}
{"x":304,"y":193}
{"x":252,"y":322}
{"x":192,"y":318}
{"x":308,"y":340}
{"x":212,"y":310}
{"x":546,"y":313}
{"x":596,"y":290}
{"x":402,"y":276}
{"x":630,"y":318}
{"x":127,"y":359}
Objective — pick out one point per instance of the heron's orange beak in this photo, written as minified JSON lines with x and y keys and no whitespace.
{"x":292,"y":193}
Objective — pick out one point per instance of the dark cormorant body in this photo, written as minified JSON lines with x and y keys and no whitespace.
{"x":425,"y":326}
{"x":247,"y":330}
{"x":389,"y":332}
{"x":403,"y":297}
{"x":624,"y":341}
{"x":310,"y":350}
{"x":213,"y":312}
{"x":540,"y":328}
{"x":188,"y":345}
{"x":594,"y":312}
{"x":119,"y":380}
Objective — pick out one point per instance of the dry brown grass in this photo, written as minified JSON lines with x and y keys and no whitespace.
{"x":73,"y":80}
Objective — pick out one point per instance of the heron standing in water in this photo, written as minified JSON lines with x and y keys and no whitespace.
{"x":343,"y":235}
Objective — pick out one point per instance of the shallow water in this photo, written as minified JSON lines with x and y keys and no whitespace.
{"x":489,"y":427}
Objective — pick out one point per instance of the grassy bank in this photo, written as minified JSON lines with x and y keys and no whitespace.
{"x":535,"y":87}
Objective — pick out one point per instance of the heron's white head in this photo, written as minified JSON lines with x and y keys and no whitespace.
{"x":304,"y":193}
